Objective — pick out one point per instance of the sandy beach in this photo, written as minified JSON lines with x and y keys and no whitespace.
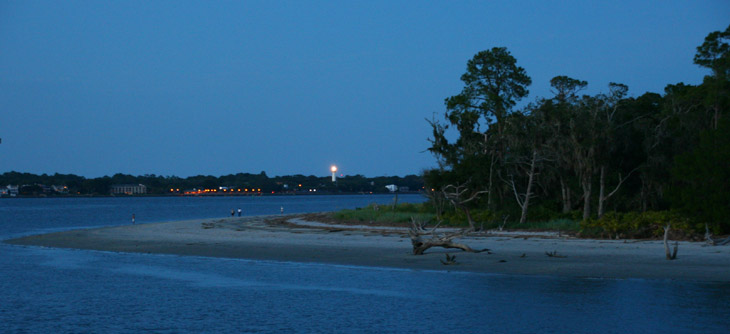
{"x":291,"y":238}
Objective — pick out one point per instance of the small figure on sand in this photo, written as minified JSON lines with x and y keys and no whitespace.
{"x":233,"y":212}
{"x":132,"y":219}
{"x":282,"y":210}
{"x":239,"y":212}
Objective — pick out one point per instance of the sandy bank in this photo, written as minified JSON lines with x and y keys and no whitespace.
{"x":261,"y":238}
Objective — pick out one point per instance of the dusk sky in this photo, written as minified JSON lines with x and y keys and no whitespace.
{"x":184,"y":88}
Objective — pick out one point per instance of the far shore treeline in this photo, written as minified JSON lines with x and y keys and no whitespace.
{"x":42,"y":185}
{"x":622,"y":164}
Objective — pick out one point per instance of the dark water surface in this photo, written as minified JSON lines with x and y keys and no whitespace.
{"x":71,"y":291}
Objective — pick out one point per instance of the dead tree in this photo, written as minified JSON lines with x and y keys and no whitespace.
{"x":417,"y":232}
{"x":673,"y":255}
{"x":602,"y":198}
{"x":460,"y":195}
{"x":523,"y":200}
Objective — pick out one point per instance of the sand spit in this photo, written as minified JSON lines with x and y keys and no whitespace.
{"x":290,"y":238}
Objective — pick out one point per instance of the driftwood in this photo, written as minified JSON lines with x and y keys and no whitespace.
{"x":552,"y":254}
{"x":446,"y":240}
{"x":713,"y":242}
{"x":673,"y":255}
{"x":450,"y":259}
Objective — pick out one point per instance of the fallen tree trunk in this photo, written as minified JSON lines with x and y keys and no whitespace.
{"x":420,"y":245}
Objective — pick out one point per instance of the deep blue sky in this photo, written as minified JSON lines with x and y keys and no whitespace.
{"x":185,"y":88}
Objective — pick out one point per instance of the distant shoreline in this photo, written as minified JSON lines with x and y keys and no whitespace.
{"x":289,"y":238}
{"x":318,"y":193}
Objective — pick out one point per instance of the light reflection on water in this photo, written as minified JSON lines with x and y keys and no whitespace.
{"x":52,"y":290}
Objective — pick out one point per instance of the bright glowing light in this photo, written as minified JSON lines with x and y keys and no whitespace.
{"x":334,"y":170}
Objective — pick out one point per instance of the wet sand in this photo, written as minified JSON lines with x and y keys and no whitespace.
{"x":296,"y":240}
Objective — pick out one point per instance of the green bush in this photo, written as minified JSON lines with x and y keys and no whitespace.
{"x":648,"y":224}
{"x":458,"y":217}
{"x":544,"y":212}
{"x":383,"y":213}
{"x":567,"y":225}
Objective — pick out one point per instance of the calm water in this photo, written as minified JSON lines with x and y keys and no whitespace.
{"x":69,"y":291}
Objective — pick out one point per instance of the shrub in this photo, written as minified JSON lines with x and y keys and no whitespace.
{"x":638,"y":224}
{"x":384,"y":213}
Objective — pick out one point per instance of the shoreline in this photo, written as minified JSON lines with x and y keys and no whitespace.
{"x":288,"y":238}
{"x":258,"y":194}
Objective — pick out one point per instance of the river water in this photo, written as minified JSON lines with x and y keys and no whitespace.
{"x":46,"y":290}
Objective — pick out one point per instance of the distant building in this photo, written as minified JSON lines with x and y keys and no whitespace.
{"x":128,"y":189}
{"x":392,"y":187}
{"x":46,"y":189}
{"x":60,"y":189}
{"x":9,"y":190}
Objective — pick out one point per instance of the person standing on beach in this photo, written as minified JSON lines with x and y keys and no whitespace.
{"x":132,"y":219}
{"x":233,"y":212}
{"x":239,"y":212}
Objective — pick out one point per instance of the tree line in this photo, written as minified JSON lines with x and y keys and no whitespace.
{"x":158,"y":184}
{"x":584,"y":156}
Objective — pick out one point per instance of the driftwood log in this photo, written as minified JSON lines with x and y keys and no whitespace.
{"x":420,"y":244}
{"x":713,"y":242}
